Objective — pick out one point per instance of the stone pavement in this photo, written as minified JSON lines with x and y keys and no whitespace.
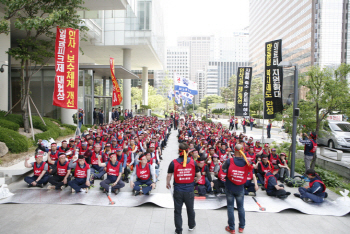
{"x":47,"y":218}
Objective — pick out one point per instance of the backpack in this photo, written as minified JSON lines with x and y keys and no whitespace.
{"x":314,"y":146}
{"x":295,"y":182}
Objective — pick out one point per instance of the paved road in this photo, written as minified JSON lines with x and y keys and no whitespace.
{"x":46,"y":218}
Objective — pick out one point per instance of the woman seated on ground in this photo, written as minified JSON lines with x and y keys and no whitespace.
{"x":316,"y":191}
{"x":114,"y":170}
{"x":145,"y":175}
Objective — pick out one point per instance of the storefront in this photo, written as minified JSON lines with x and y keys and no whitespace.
{"x":95,"y":90}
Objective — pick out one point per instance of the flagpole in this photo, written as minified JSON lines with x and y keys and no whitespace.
{"x":77,"y":132}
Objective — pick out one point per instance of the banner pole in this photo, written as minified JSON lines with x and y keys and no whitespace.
{"x":77,"y":132}
{"x":262,"y":134}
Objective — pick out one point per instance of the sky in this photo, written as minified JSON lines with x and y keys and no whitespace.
{"x":203,"y":17}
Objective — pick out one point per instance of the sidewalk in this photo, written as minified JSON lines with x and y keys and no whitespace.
{"x":28,"y":218}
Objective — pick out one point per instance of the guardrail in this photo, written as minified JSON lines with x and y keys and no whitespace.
{"x":339,"y":153}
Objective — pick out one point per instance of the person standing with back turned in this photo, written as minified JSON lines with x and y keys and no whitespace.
{"x":237,"y":173}
{"x":186,"y":173}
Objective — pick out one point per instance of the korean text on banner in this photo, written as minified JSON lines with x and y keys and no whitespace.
{"x":117,"y":97}
{"x":273,"y":79}
{"x":67,"y":68}
{"x":244,"y":77}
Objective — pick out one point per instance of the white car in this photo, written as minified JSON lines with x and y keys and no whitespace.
{"x":336,"y":134}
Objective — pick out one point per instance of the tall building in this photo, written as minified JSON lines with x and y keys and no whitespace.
{"x":225,"y":51}
{"x":223,"y":72}
{"x":199,"y":48}
{"x":178,"y":61}
{"x":313,"y":32}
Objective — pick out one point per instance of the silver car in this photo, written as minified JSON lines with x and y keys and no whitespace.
{"x":336,"y":135}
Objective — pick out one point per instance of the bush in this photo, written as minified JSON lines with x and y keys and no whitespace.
{"x":256,"y":116}
{"x":13,"y":118}
{"x":158,"y":115}
{"x":8,"y":124}
{"x":145,"y":107}
{"x":71,"y":127}
{"x":121,"y":118}
{"x":14,"y":141}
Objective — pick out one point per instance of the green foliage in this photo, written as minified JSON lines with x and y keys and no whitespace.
{"x":229,"y":93}
{"x":255,"y":116}
{"x":8,"y":124}
{"x":207,"y":120}
{"x":121,"y":118}
{"x":71,"y":127}
{"x":13,"y":118}
{"x":256,"y":95}
{"x":15,"y":142}
{"x":145,"y":107}
{"x":284,"y":147}
{"x":158,"y":115}
{"x":328,"y":90}
{"x":211,"y":99}
{"x":331,"y":179}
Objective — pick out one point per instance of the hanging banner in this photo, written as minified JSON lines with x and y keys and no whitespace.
{"x":244,"y":78}
{"x":67,"y":68}
{"x":273,"y":102}
{"x":116,"y":96}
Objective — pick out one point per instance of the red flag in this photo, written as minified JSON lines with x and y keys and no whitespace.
{"x":67,"y":68}
{"x":117,"y":97}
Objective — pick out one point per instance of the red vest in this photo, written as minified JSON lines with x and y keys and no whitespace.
{"x":274,"y":160}
{"x":184,"y":175}
{"x":112,"y":170}
{"x":237,"y":175}
{"x":251,"y":158}
{"x":128,"y":159}
{"x":266,"y":169}
{"x":221,"y":156}
{"x":38,"y":170}
{"x":62,"y":170}
{"x":94,"y":159}
{"x":267,"y":180}
{"x":257,"y":150}
{"x":319,"y":181}
{"x":281,"y":162}
{"x":201,"y":181}
{"x":143,"y":173}
{"x":81,"y":172}
{"x":54,"y":156}
{"x":212,"y":166}
{"x":222,"y":175}
{"x":82,"y":151}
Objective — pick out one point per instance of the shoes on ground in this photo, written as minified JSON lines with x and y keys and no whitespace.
{"x":297,"y":195}
{"x":240,"y":230}
{"x":116,"y":191}
{"x":227,"y":228}
{"x":192,"y":228}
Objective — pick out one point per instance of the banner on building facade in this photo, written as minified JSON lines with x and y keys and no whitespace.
{"x":244,"y":78}
{"x":67,"y":68}
{"x":116,"y":96}
{"x":273,"y":102}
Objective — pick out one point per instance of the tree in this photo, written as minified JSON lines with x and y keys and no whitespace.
{"x":211,"y":99}
{"x":155,"y":101}
{"x":328,"y":90}
{"x":229,"y":93}
{"x":256,"y":95}
{"x":37,"y":21}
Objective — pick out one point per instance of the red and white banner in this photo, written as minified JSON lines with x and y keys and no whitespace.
{"x":116,"y":96}
{"x":67,"y":68}
{"x":335,"y":117}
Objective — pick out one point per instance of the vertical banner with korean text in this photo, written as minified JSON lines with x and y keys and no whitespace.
{"x":244,"y":78}
{"x":273,"y":102}
{"x":67,"y":68}
{"x":116,"y":96}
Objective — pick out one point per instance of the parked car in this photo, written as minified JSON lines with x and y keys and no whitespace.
{"x":336,"y":134}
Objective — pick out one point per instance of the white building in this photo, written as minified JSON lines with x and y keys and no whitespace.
{"x":130,"y":31}
{"x":178,"y":61}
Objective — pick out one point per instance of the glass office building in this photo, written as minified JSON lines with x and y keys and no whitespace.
{"x":313,"y":32}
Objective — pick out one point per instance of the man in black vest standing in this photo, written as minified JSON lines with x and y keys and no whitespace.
{"x":186,"y":173}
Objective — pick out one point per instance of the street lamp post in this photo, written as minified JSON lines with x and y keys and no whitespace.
{"x":295,"y":112}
